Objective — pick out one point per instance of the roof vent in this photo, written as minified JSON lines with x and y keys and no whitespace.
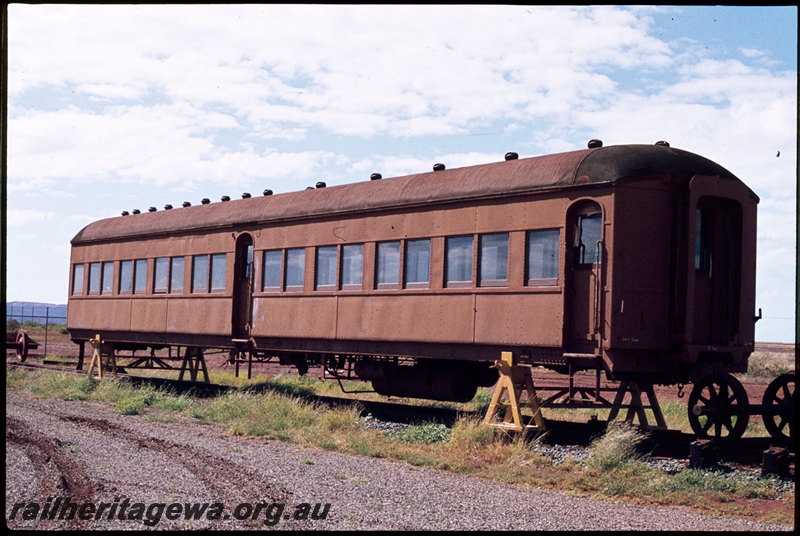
{"x":246,"y":195}
{"x":438,"y":167}
{"x":152,"y":209}
{"x":309,"y":187}
{"x":321,"y":184}
{"x":187,"y":204}
{"x":167,"y":207}
{"x":594,"y":144}
{"x":662,"y":143}
{"x":137,"y":211}
{"x":205,"y":201}
{"x":511,"y":156}
{"x":267,"y":192}
{"x":375,"y":177}
{"x":124,"y":212}
{"x":225,"y":198}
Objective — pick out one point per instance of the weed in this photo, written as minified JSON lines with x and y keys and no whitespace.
{"x":616,"y":448}
{"x":762,"y":365}
{"x":428,"y":432}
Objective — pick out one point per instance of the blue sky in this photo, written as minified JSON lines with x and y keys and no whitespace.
{"x":117,"y":107}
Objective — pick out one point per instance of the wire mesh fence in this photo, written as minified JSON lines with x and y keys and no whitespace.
{"x":39,"y":320}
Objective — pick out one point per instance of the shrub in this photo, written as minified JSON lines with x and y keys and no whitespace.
{"x":429,"y":432}
{"x":616,"y":448}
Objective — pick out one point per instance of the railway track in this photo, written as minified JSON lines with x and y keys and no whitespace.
{"x":747,"y":452}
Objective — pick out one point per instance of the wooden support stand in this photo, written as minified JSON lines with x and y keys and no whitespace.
{"x":636,"y":407}
{"x":514,"y":381}
{"x":150,"y":362}
{"x":194,"y":362}
{"x":103,"y":357}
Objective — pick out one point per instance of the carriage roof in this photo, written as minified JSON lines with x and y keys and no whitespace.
{"x":541,"y":173}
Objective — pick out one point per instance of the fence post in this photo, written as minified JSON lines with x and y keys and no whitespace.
{"x":46,"y":329}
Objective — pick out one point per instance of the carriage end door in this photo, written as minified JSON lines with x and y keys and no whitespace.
{"x":584,"y":282}
{"x":242,"y":287}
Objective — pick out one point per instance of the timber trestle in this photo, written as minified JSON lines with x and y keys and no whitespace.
{"x":104,"y":360}
{"x":517,"y":379}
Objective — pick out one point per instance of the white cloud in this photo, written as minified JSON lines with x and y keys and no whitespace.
{"x":18,"y":217}
{"x":132,"y":104}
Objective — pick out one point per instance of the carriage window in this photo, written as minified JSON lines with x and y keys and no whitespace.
{"x":589,"y":233}
{"x":494,"y":260}
{"x":94,"y":278}
{"x":176,"y":275}
{"x":458,"y":270}
{"x":542,"y":266}
{"x":271,"y":279}
{"x":217,"y":277}
{"x":77,"y":279}
{"x":418,"y":263}
{"x":200,"y":273}
{"x":108,"y":278}
{"x":125,"y":277}
{"x":295,"y":268}
{"x":326,"y":268}
{"x":388,"y":265}
{"x":161,"y":277}
{"x":352,"y":266}
{"x":702,"y":256}
{"x":140,"y":276}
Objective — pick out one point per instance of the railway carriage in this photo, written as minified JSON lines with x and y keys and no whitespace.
{"x":635,"y":260}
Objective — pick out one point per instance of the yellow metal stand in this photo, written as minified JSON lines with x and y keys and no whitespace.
{"x":514,"y":381}
{"x":102,"y":356}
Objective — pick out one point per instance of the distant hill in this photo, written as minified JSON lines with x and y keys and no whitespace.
{"x":36,"y":312}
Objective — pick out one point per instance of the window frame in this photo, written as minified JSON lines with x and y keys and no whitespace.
{"x":407,"y":258}
{"x":388,"y":285}
{"x":542,"y":281}
{"x":287,"y":259}
{"x":78,"y":279}
{"x":95,"y":278}
{"x":158,"y":265}
{"x":345,"y":282}
{"x":139,"y":286}
{"x":264,"y":270}
{"x":213,"y":259}
{"x":205,"y":281}
{"x":179,"y":287}
{"x":580,"y":247}
{"x":123,"y":278}
{"x":328,"y":284}
{"x":459,"y":283}
{"x":495,"y":282}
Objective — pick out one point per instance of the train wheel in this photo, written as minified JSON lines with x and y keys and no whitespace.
{"x":22,"y":346}
{"x":778,"y":404}
{"x":718,"y":408}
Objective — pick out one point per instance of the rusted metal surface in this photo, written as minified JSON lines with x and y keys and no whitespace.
{"x":21,"y":342}
{"x":591,"y":166}
{"x":639,"y":307}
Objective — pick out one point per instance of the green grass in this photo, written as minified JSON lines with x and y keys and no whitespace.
{"x":279,"y":409}
{"x":764,"y":366}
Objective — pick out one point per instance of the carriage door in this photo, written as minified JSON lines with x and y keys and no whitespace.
{"x":717,"y":265}
{"x":584,"y":293}
{"x":243,"y":287}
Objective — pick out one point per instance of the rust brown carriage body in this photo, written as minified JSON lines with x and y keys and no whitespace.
{"x":638,"y":260}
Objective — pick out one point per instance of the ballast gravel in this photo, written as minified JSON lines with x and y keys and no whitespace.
{"x":87,"y":452}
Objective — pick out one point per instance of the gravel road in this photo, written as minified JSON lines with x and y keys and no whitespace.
{"x":92,"y":455}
